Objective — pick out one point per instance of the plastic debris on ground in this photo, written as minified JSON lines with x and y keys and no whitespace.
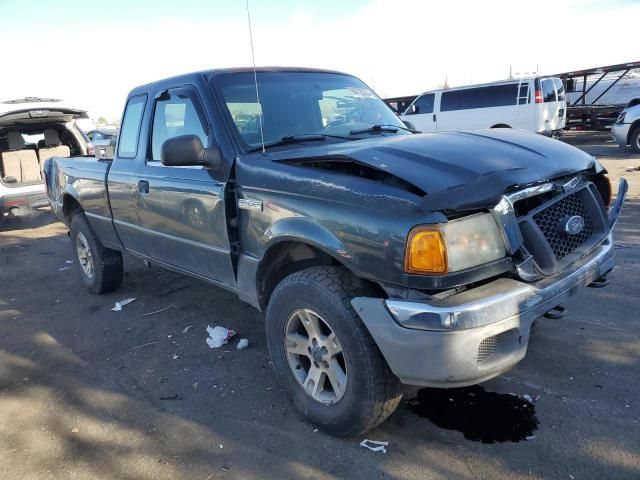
{"x":242,"y":344}
{"x":62,"y":269}
{"x":186,"y":329}
{"x":374,"y":445}
{"x":118,"y":306}
{"x":218,"y":336}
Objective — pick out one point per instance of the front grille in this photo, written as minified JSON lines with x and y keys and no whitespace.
{"x":550,"y":220}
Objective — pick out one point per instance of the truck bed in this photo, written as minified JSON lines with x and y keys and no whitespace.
{"x":84,"y":178}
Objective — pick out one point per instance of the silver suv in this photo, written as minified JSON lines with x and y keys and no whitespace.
{"x":626,"y":130}
{"x":32,"y":130}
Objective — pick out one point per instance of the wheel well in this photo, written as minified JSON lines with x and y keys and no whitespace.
{"x":501,"y":125}
{"x":285,"y":258}
{"x":70,"y":207}
{"x":634,"y":126}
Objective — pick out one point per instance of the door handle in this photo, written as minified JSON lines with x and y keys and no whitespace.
{"x":143,"y":186}
{"x":434,"y":117}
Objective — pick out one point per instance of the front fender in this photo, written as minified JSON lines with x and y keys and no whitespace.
{"x":304,"y":230}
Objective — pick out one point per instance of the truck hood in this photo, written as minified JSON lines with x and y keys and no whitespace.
{"x":457,"y":170}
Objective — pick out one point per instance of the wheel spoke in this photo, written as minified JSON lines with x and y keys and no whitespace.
{"x":297,"y":344}
{"x":310,"y":323}
{"x":313,"y":383}
{"x":333,"y":345}
{"x":337,"y":378}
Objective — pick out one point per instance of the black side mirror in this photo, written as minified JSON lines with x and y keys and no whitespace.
{"x":188,"y":150}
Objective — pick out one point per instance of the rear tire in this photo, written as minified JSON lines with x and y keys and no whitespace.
{"x":100,"y":268}
{"x":367,"y":391}
{"x":635,"y":140}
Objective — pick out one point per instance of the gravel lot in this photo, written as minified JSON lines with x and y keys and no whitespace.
{"x":86,"y":392}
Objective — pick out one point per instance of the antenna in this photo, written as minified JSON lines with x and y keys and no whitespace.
{"x":255,"y":76}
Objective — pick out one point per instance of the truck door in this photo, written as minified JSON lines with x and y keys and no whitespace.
{"x":422,"y":113}
{"x":181,"y":209}
{"x":121,"y":181}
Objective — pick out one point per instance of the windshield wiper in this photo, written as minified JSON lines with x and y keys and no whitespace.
{"x":303,"y":137}
{"x":382,"y":128}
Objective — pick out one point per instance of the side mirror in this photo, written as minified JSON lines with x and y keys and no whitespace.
{"x":188,"y":150}
{"x":413,"y":109}
{"x":409,"y":125}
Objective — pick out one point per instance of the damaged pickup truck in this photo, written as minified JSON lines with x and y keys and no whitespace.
{"x":381,"y":256}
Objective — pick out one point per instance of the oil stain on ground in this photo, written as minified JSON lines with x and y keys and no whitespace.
{"x":482,"y":416}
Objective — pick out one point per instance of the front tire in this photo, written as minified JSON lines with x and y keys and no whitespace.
{"x":323,"y":355}
{"x":100,"y":268}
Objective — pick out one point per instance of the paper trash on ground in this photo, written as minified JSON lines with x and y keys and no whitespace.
{"x":242,"y":344}
{"x":118,"y":306}
{"x":218,"y":336}
{"x":379,"y":446}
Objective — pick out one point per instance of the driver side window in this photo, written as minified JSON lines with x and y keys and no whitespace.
{"x":176,"y":115}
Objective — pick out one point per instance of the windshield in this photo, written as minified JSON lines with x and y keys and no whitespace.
{"x":302,"y":103}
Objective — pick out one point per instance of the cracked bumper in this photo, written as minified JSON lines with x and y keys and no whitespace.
{"x":478,"y":334}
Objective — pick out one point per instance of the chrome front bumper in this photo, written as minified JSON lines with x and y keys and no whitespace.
{"x":480,"y":333}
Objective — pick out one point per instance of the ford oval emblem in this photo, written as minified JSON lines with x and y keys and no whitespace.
{"x":572,"y":225}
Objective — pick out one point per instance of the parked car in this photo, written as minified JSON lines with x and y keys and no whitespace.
{"x":533,"y":104}
{"x":379,"y":256}
{"x":626,"y":129}
{"x":32,"y":130}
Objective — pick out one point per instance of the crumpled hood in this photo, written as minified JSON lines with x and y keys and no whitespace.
{"x":460,"y":170}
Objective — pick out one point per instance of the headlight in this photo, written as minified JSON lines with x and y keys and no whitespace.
{"x":453,"y":246}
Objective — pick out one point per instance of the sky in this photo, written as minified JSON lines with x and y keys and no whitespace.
{"x":91,"y":54}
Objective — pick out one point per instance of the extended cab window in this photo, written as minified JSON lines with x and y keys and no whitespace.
{"x":130,"y":130}
{"x":178,"y":114}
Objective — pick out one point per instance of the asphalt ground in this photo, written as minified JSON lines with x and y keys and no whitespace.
{"x":86,"y":392}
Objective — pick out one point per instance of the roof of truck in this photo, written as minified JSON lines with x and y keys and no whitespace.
{"x":219,"y":71}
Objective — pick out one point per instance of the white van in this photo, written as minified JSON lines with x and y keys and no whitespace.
{"x":535,"y":104}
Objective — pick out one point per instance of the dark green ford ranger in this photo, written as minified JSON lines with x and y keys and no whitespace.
{"x":380,"y":255}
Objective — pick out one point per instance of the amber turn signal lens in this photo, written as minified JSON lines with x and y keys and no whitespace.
{"x":426,"y":251}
